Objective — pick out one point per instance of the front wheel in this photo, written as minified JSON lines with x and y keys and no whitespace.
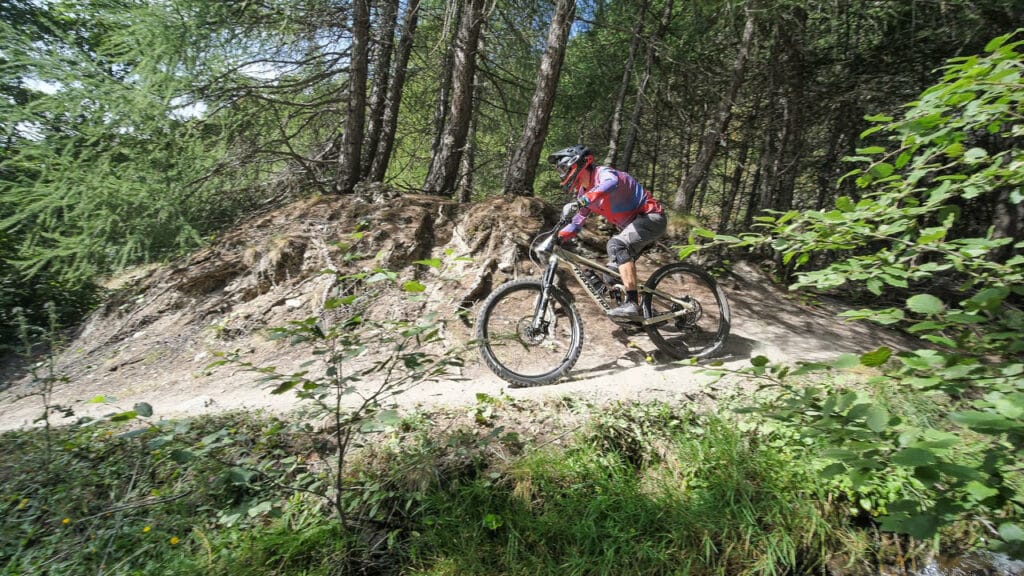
{"x":696,"y":311}
{"x":518,"y":352}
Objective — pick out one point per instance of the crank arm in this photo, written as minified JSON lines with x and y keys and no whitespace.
{"x":664,"y":317}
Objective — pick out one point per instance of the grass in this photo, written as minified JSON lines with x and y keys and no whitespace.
{"x":709,"y":503}
{"x":638,"y":489}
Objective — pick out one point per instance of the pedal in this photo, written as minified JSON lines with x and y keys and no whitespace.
{"x":631,"y":329}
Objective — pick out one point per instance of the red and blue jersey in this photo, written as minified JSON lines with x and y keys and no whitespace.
{"x":615,"y":195}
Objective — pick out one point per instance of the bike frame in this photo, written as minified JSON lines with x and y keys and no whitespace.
{"x":555,"y":254}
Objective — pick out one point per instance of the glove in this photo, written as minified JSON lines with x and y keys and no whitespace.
{"x":569,"y":209}
{"x":565,"y":235}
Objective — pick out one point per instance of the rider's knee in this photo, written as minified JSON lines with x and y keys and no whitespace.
{"x":618,"y":251}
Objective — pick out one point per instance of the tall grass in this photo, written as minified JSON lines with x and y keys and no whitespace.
{"x":640,"y":489}
{"x":703,"y":499}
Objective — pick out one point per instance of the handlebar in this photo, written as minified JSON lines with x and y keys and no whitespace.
{"x":547,"y":240}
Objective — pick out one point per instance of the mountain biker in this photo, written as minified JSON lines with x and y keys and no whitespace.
{"x":622,"y":201}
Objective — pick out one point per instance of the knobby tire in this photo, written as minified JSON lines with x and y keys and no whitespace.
{"x":694,"y":336}
{"x":517,"y":356}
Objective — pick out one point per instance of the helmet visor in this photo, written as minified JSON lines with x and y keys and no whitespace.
{"x":564,"y":167}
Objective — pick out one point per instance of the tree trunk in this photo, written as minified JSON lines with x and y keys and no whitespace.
{"x":385,"y":47}
{"x":355,"y":119}
{"x":467,"y":171}
{"x":754,"y":197}
{"x":714,"y":137}
{"x":827,"y":169}
{"x":522,"y":166}
{"x":389,"y":122}
{"x":1007,"y":222}
{"x":641,"y":88}
{"x":791,"y":147}
{"x":616,"y":125}
{"x":452,"y":19}
{"x":444,"y":166}
{"x":734,"y":186}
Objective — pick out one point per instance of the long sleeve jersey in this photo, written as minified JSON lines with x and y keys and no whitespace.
{"x":617,"y":196}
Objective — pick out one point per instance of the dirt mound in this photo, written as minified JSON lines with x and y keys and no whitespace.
{"x":153,"y":340}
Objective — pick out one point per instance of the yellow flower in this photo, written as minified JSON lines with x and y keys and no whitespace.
{"x":145,"y":529}
{"x":174,"y":540}
{"x":66,"y":521}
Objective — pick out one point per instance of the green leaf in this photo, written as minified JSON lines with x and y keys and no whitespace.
{"x":959,"y":471}
{"x":493,"y":521}
{"x":919,"y":382}
{"x":833,"y":469}
{"x":996,"y":42}
{"x":982,"y":420}
{"x":182,"y":456}
{"x":1011,"y":532}
{"x":881,"y":170}
{"x":333,"y":303}
{"x":845,"y":204}
{"x":685,"y":251}
{"x":840,"y":454}
{"x":261,"y":508}
{"x":925,"y":304}
{"x":921,"y":526}
{"x":845,"y":362}
{"x":124,"y":416}
{"x":876,"y":358}
{"x":759,"y":361}
{"x":978,"y":491}
{"x":877,"y":418}
{"x":913,"y":457}
{"x":990,"y":298}
{"x":284,"y":387}
{"x":975,"y":154}
{"x":413,"y":286}
{"x":239,"y":475}
{"x":870,"y":150}
{"x":432,"y":262}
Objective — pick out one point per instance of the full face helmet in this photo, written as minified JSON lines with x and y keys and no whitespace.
{"x":570,"y":163}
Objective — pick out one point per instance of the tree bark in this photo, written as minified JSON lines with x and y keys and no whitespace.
{"x":522,"y":166}
{"x":444,"y":165}
{"x":467,"y":170}
{"x":355,"y":118}
{"x":793,"y":66}
{"x":641,"y":88}
{"x":389,"y":122}
{"x":729,"y":201}
{"x":712,"y":138}
{"x":384,"y":48}
{"x":616,"y":125}
{"x":453,"y":17}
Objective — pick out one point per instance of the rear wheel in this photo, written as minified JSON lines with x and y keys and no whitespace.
{"x":700,"y":323}
{"x":513,"y":349}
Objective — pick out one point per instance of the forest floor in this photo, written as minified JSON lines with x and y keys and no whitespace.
{"x":154,"y":338}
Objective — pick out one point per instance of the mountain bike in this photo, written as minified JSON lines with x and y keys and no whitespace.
{"x":530,"y":332}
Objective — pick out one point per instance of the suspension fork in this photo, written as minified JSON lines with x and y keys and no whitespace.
{"x":547,"y":280}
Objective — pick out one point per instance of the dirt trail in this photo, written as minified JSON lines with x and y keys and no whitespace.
{"x":151,"y":342}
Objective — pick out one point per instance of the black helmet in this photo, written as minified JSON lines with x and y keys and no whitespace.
{"x":569,"y":162}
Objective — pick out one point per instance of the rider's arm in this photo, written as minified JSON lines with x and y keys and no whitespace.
{"x":607,"y":180}
{"x":574,"y":227}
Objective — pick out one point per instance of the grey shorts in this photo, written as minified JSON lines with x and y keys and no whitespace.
{"x":644,"y":230}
